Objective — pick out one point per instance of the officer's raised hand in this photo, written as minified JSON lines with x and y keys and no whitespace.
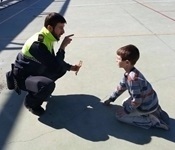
{"x":66,"y":41}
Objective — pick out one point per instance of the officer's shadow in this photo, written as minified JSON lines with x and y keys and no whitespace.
{"x":87,"y":117}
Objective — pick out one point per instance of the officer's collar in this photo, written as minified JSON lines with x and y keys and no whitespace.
{"x":47,"y":33}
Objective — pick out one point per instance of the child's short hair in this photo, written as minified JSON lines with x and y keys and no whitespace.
{"x":129,"y":52}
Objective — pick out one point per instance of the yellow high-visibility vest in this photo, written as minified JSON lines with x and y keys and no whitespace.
{"x":43,"y":36}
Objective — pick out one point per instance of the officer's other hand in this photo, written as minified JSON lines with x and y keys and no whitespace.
{"x":75,"y":68}
{"x":66,"y":41}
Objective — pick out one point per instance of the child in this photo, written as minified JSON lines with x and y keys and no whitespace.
{"x":142,"y":107}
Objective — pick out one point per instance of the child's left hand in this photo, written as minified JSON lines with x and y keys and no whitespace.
{"x":107,"y":102}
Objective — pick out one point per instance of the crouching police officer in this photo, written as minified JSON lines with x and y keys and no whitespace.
{"x":37,"y":67}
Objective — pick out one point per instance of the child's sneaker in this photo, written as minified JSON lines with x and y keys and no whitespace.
{"x":162,"y":125}
{"x":158,"y":123}
{"x":162,"y":115}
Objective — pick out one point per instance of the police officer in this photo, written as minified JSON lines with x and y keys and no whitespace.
{"x":37,"y":67}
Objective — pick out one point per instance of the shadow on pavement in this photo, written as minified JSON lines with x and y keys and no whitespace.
{"x":87,"y":117}
{"x":15,"y":18}
{"x":8,"y":116}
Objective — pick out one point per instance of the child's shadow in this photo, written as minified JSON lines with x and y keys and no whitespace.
{"x":87,"y":117}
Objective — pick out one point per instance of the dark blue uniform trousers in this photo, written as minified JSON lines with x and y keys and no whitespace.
{"x":39,"y":88}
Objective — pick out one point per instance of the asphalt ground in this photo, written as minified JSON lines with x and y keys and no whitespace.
{"x":75,"y":116}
